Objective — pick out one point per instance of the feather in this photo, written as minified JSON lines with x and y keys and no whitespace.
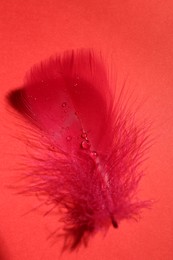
{"x":89,"y":148}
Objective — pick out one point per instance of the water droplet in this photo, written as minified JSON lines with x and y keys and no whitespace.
{"x":84,"y":135}
{"x":68,"y":138}
{"x":75,"y":84}
{"x":64,"y":104}
{"x":93,"y":154}
{"x":85,"y":145}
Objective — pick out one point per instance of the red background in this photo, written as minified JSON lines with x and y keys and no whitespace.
{"x":137,"y":36}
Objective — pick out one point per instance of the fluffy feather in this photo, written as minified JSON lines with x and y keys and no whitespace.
{"x":87,"y":164}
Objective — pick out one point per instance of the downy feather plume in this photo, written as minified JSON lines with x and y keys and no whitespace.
{"x":89,"y":148}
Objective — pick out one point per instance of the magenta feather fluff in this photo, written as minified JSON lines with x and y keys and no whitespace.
{"x":90,"y":147}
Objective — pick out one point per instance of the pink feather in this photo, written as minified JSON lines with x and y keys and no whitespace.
{"x":89,"y":148}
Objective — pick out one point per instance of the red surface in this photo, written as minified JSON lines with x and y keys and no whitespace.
{"x":137,"y":37}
